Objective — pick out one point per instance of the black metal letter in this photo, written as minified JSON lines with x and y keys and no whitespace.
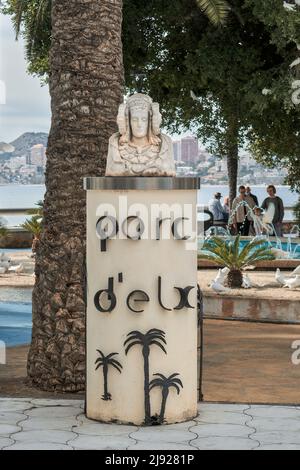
{"x":103,"y":233}
{"x":184,"y":297}
{"x":159,"y":295}
{"x":110,"y":294}
{"x":140,"y":227}
{"x":175,"y":231}
{"x":145,"y":299}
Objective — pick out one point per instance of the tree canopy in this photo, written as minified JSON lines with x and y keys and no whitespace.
{"x":213,"y":80}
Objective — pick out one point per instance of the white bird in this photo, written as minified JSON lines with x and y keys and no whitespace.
{"x":5,"y":257}
{"x":296,"y":270}
{"x":220,"y":277}
{"x":219,"y":288}
{"x":279,"y":277}
{"x":2,"y":270}
{"x":4,"y":264}
{"x":246,"y":282}
{"x":16,"y":269}
{"x":225,"y":270}
{"x":293,"y":282}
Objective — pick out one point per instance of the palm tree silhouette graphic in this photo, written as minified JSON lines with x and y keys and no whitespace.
{"x":105,"y":362}
{"x":165,"y":383}
{"x":152,"y":337}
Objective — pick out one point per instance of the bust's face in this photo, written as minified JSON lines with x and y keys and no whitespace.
{"x":139,"y":122}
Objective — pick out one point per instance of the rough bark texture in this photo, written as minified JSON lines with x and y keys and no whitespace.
{"x":235,"y":278}
{"x":86,"y":86}
{"x":232,"y":157}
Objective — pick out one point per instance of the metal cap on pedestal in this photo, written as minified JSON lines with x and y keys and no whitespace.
{"x":140,"y":182}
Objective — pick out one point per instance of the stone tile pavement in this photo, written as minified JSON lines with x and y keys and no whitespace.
{"x":60,"y":424}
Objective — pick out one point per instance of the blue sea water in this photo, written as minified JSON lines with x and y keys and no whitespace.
{"x":17,"y":196}
{"x":15,"y":316}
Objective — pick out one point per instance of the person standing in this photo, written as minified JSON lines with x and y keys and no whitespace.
{"x":241,"y":218}
{"x":216,"y":208}
{"x":249,"y":193}
{"x":226,"y":206}
{"x":278,"y":208}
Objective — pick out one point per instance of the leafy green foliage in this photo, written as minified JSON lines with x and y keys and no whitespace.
{"x":231,"y":254}
{"x":215,"y":10}
{"x":32,"y":20}
{"x":297,"y":212}
{"x":34,"y":225}
{"x":3,"y":229}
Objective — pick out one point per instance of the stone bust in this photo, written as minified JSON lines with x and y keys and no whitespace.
{"x":139,"y":148}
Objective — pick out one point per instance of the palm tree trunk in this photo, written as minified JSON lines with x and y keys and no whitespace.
{"x":86,"y":85}
{"x":146,"y":387}
{"x":165,"y":394}
{"x":105,"y":372}
{"x":232,"y":154}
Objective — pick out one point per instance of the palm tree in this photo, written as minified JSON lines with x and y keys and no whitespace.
{"x":230,"y":253}
{"x":152,"y":337}
{"x":32,"y":20}
{"x":216,"y":10}
{"x":86,"y":88}
{"x":165,"y":383}
{"x":105,"y":362}
{"x":34,"y":224}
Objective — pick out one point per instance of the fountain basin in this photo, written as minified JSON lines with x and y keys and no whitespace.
{"x":267,"y":303}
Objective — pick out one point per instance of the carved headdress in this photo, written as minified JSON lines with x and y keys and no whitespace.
{"x":139,"y":101}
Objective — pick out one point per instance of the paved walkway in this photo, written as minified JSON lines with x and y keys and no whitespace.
{"x":60,"y":424}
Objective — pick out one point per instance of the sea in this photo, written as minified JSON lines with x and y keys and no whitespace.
{"x":17,"y":196}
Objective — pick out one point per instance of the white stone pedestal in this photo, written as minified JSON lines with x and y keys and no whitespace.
{"x":141,"y":335}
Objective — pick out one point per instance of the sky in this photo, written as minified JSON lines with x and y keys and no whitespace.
{"x":27,"y":103}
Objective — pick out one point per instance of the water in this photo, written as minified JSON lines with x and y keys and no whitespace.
{"x":292,"y":248}
{"x":15,"y":315}
{"x":25,"y":196}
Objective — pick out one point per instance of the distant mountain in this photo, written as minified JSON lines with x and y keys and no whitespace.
{"x":27,"y":140}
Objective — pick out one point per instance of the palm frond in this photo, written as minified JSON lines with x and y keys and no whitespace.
{"x":215,"y":10}
{"x":100,"y":352}
{"x":176,"y":381}
{"x":176,"y":387}
{"x":117,"y":363}
{"x":231,"y":255}
{"x":119,"y":369}
{"x":132,"y":344}
{"x":158,"y":344}
{"x":156,"y":330}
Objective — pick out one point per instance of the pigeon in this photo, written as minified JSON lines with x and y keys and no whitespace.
{"x":225,"y":270}
{"x":246,"y":282}
{"x":5,"y":264}
{"x":220,"y":278}
{"x":16,"y":269}
{"x":293,"y":282}
{"x":279,"y":277}
{"x":219,"y":288}
{"x":296,"y":270}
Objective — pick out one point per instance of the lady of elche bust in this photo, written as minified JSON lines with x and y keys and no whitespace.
{"x":139,"y":148}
